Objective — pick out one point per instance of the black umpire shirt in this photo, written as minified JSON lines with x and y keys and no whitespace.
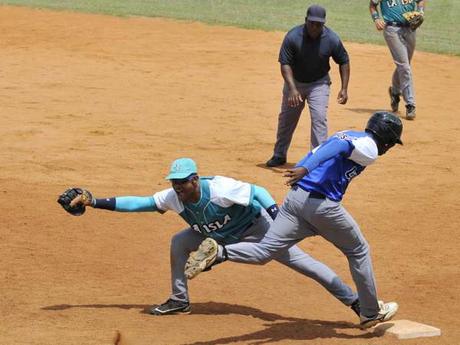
{"x":308,"y":58}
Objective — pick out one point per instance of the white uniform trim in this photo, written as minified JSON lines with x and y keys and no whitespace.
{"x":167,"y":200}
{"x":226,"y":191}
{"x":365,"y":151}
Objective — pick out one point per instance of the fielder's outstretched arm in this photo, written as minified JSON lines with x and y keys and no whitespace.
{"x":126,"y":204}
{"x":120,"y":204}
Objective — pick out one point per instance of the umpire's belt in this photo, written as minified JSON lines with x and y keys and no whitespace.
{"x":398,"y":24}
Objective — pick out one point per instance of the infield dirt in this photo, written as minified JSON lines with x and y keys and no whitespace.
{"x":107,"y":103}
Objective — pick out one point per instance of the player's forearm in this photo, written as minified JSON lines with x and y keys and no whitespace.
{"x":373,"y":10}
{"x":266,"y":201}
{"x":288,"y":76}
{"x":126,"y":204}
{"x":344,"y":75}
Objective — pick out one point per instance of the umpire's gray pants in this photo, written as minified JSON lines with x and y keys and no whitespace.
{"x":301,"y":216}
{"x":317,"y":96}
{"x":401,"y":41}
{"x":188,"y":240}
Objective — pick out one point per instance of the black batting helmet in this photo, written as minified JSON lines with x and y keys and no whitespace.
{"x":386,"y":127}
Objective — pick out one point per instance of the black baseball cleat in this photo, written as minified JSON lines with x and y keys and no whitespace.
{"x":171,"y":307}
{"x":356,"y":307}
{"x":275,"y":161}
{"x":394,"y":100}
{"x":410,"y":112}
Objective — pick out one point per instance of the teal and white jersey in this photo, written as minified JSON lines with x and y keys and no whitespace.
{"x":392,"y":10}
{"x":226,"y":209}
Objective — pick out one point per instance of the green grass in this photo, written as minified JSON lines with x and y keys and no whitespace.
{"x":349,"y":18}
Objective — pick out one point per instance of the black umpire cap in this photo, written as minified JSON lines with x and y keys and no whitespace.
{"x":316,"y":13}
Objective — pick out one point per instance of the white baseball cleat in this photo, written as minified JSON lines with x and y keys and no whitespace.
{"x":202,"y":258}
{"x":386,"y":313}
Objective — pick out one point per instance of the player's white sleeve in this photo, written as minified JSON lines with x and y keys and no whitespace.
{"x":167,"y":200}
{"x":226,"y":191}
{"x":365,"y":151}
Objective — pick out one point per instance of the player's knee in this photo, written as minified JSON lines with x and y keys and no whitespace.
{"x":359,"y":250}
{"x":178,"y":243}
{"x":264,"y":260}
{"x":264,"y":257}
{"x":404,"y":67}
{"x":364,"y":248}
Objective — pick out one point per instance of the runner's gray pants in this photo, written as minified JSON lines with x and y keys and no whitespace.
{"x":188,"y":240}
{"x":301,"y":216}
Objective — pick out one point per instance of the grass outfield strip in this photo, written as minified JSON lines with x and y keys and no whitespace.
{"x":349,"y":18}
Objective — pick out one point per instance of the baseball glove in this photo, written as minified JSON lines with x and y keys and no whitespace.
{"x":66,"y":198}
{"x":414,"y":18}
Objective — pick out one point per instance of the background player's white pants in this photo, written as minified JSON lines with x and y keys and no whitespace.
{"x":401,"y":41}
{"x":188,"y":240}
{"x":301,"y":216}
{"x":316,"y":94}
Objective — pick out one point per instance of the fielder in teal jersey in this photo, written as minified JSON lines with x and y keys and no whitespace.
{"x":225,"y":209}
{"x":400,"y":39}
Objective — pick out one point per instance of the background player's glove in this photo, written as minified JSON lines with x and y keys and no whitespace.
{"x":414,"y":18}
{"x":75,"y":208}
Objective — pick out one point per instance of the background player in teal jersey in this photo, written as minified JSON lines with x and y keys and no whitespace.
{"x":313,"y":208}
{"x":227,"y":210}
{"x":400,"y":39}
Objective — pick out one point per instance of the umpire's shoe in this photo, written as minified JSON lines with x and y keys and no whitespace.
{"x":171,"y":307}
{"x":386,"y":313}
{"x":202,"y":258}
{"x":394,"y":100}
{"x":275,"y":161}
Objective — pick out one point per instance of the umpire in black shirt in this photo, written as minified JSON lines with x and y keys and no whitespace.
{"x":304,"y":58}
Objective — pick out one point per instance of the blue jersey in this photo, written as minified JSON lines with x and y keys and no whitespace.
{"x":226,"y":209}
{"x":335,"y":162}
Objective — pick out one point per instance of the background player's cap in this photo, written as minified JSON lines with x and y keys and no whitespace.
{"x":316,"y":13}
{"x":182,"y":168}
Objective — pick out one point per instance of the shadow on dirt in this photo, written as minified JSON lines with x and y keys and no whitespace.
{"x":365,"y":110}
{"x":277,"y":329}
{"x":279,"y":170}
{"x":280,"y":327}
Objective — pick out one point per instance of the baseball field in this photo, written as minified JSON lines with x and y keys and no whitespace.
{"x":108,"y":102}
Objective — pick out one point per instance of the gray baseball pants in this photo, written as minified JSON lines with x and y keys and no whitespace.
{"x":401,"y":41}
{"x":188,"y":240}
{"x":317,"y":96}
{"x":302,"y":216}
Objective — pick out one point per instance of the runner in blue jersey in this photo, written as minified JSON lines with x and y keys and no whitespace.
{"x":226,"y":210}
{"x":312,"y":207}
